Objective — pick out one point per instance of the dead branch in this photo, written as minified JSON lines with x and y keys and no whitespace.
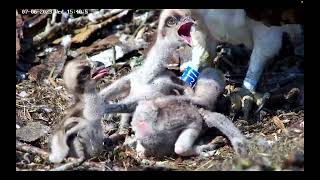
{"x":53,"y":27}
{"x":85,"y":19}
{"x":105,"y":15}
{"x":50,"y":29}
{"x":35,"y":20}
{"x":70,"y":165}
{"x":54,"y":17}
{"x":87,"y":31}
{"x":31,"y":149}
{"x":75,"y":163}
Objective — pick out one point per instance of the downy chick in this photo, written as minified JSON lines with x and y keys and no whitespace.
{"x":152,"y":79}
{"x":172,"y":124}
{"x":80,"y":133}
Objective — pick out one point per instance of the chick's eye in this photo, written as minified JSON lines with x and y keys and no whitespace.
{"x":171,"y":21}
{"x":85,"y":73}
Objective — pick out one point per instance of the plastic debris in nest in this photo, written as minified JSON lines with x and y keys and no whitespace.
{"x":109,"y":56}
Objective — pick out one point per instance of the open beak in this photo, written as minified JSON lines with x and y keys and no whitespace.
{"x":185,"y":29}
{"x":98,"y":70}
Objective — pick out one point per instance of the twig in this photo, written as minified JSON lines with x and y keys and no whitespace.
{"x":53,"y":27}
{"x":69,"y":165}
{"x":142,"y":25}
{"x":125,"y":167}
{"x":54,"y":17}
{"x":114,"y":57}
{"x":31,"y":149}
{"x":44,"y":154}
{"x":35,"y":20}
{"x":288,"y":114}
{"x":50,"y":29}
{"x":85,"y":32}
{"x":109,"y":14}
{"x":159,"y":165}
{"x":203,"y":165}
{"x":85,"y":19}
{"x":76,"y":163}
{"x":50,"y":77}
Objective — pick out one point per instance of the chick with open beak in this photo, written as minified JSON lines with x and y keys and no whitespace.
{"x":80,"y":133}
{"x":175,"y":26}
{"x":98,"y":70}
{"x":200,"y":56}
{"x":184,"y":31}
{"x":180,"y":26}
{"x":80,"y":75}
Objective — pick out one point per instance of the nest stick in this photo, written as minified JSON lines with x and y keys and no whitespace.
{"x":72,"y":164}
